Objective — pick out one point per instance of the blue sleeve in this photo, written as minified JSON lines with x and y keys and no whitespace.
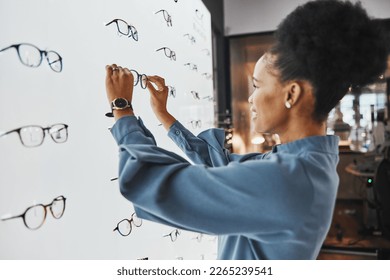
{"x":233,"y":199}
{"x":206,"y":148}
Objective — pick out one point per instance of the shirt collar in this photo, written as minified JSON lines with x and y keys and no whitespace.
{"x":328,"y":144}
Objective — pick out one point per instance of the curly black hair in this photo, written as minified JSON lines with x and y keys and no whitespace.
{"x":332,"y":44}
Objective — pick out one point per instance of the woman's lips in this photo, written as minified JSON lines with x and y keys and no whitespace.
{"x":254,"y":114}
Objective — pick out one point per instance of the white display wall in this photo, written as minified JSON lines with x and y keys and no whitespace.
{"x":81,"y":168}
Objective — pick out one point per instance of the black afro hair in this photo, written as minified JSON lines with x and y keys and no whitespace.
{"x":332,"y":44}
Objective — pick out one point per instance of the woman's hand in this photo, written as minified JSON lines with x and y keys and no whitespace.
{"x":158,"y":100}
{"x":159,"y":96}
{"x":119,"y":84}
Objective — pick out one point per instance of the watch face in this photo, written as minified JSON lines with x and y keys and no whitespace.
{"x":120,"y":103}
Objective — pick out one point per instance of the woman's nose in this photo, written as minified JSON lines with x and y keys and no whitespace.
{"x":250,"y":99}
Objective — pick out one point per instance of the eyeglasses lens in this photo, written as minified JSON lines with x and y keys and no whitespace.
{"x":134,"y":33}
{"x":167,"y":52}
{"x":54,"y":60}
{"x":174,"y":235}
{"x":31,"y":136}
{"x":59,"y":133}
{"x":144,"y":81}
{"x":57,"y":208}
{"x":35,"y":216}
{"x":29,"y":55}
{"x":136,"y":77}
{"x":124,"y":227}
{"x":167,"y":17}
{"x":123,"y":28}
{"x":136,"y":221}
{"x":172,"y":92}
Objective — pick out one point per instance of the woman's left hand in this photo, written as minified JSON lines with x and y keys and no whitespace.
{"x":119,"y":83}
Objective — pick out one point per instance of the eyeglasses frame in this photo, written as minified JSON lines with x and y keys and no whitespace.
{"x":172,"y":91}
{"x":199,"y":15}
{"x":130,"y":31}
{"x":129,"y":221}
{"x":171,"y":55}
{"x":41,"y":52}
{"x":44,"y":134}
{"x":138,"y":79}
{"x":192,"y":66}
{"x":195,"y":94}
{"x":167,"y":17}
{"x":44,"y":217}
{"x":176,"y":233}
{"x":196,"y":123}
{"x":190,"y":37}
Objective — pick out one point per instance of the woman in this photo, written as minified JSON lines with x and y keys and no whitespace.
{"x":276,"y":205}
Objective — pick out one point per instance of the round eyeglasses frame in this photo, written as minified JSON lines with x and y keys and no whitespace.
{"x":129,"y":222}
{"x":23,"y":216}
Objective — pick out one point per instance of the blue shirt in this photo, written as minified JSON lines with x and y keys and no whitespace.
{"x":276,"y":205}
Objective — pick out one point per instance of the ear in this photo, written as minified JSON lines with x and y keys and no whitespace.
{"x":293,"y":92}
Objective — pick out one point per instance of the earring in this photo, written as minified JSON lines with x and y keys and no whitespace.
{"x":287,"y":104}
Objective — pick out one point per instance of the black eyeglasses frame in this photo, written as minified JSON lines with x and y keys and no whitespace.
{"x":168,"y":53}
{"x":44,"y":129}
{"x":131,"y":30}
{"x":167,"y":17}
{"x":43,"y":53}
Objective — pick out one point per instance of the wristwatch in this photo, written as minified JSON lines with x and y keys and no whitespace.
{"x":119,"y":104}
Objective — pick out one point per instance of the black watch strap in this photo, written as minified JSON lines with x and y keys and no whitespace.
{"x":110,"y":114}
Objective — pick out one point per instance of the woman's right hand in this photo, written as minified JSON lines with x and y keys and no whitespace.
{"x":159,"y":95}
{"x":159,"y":99}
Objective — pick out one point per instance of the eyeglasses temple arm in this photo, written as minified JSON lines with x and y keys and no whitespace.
{"x":55,"y":61}
{"x":61,"y":129}
{"x":6,"y":48}
{"x":8,"y":132}
{"x":48,"y":128}
{"x":107,"y":24}
{"x":13,"y":217}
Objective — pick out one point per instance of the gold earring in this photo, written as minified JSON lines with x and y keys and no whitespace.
{"x":287,"y":104}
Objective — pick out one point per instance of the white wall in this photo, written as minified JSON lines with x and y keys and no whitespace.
{"x":253,"y":16}
{"x":81,"y":168}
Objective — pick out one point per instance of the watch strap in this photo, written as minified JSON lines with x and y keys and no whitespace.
{"x":110,"y":114}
